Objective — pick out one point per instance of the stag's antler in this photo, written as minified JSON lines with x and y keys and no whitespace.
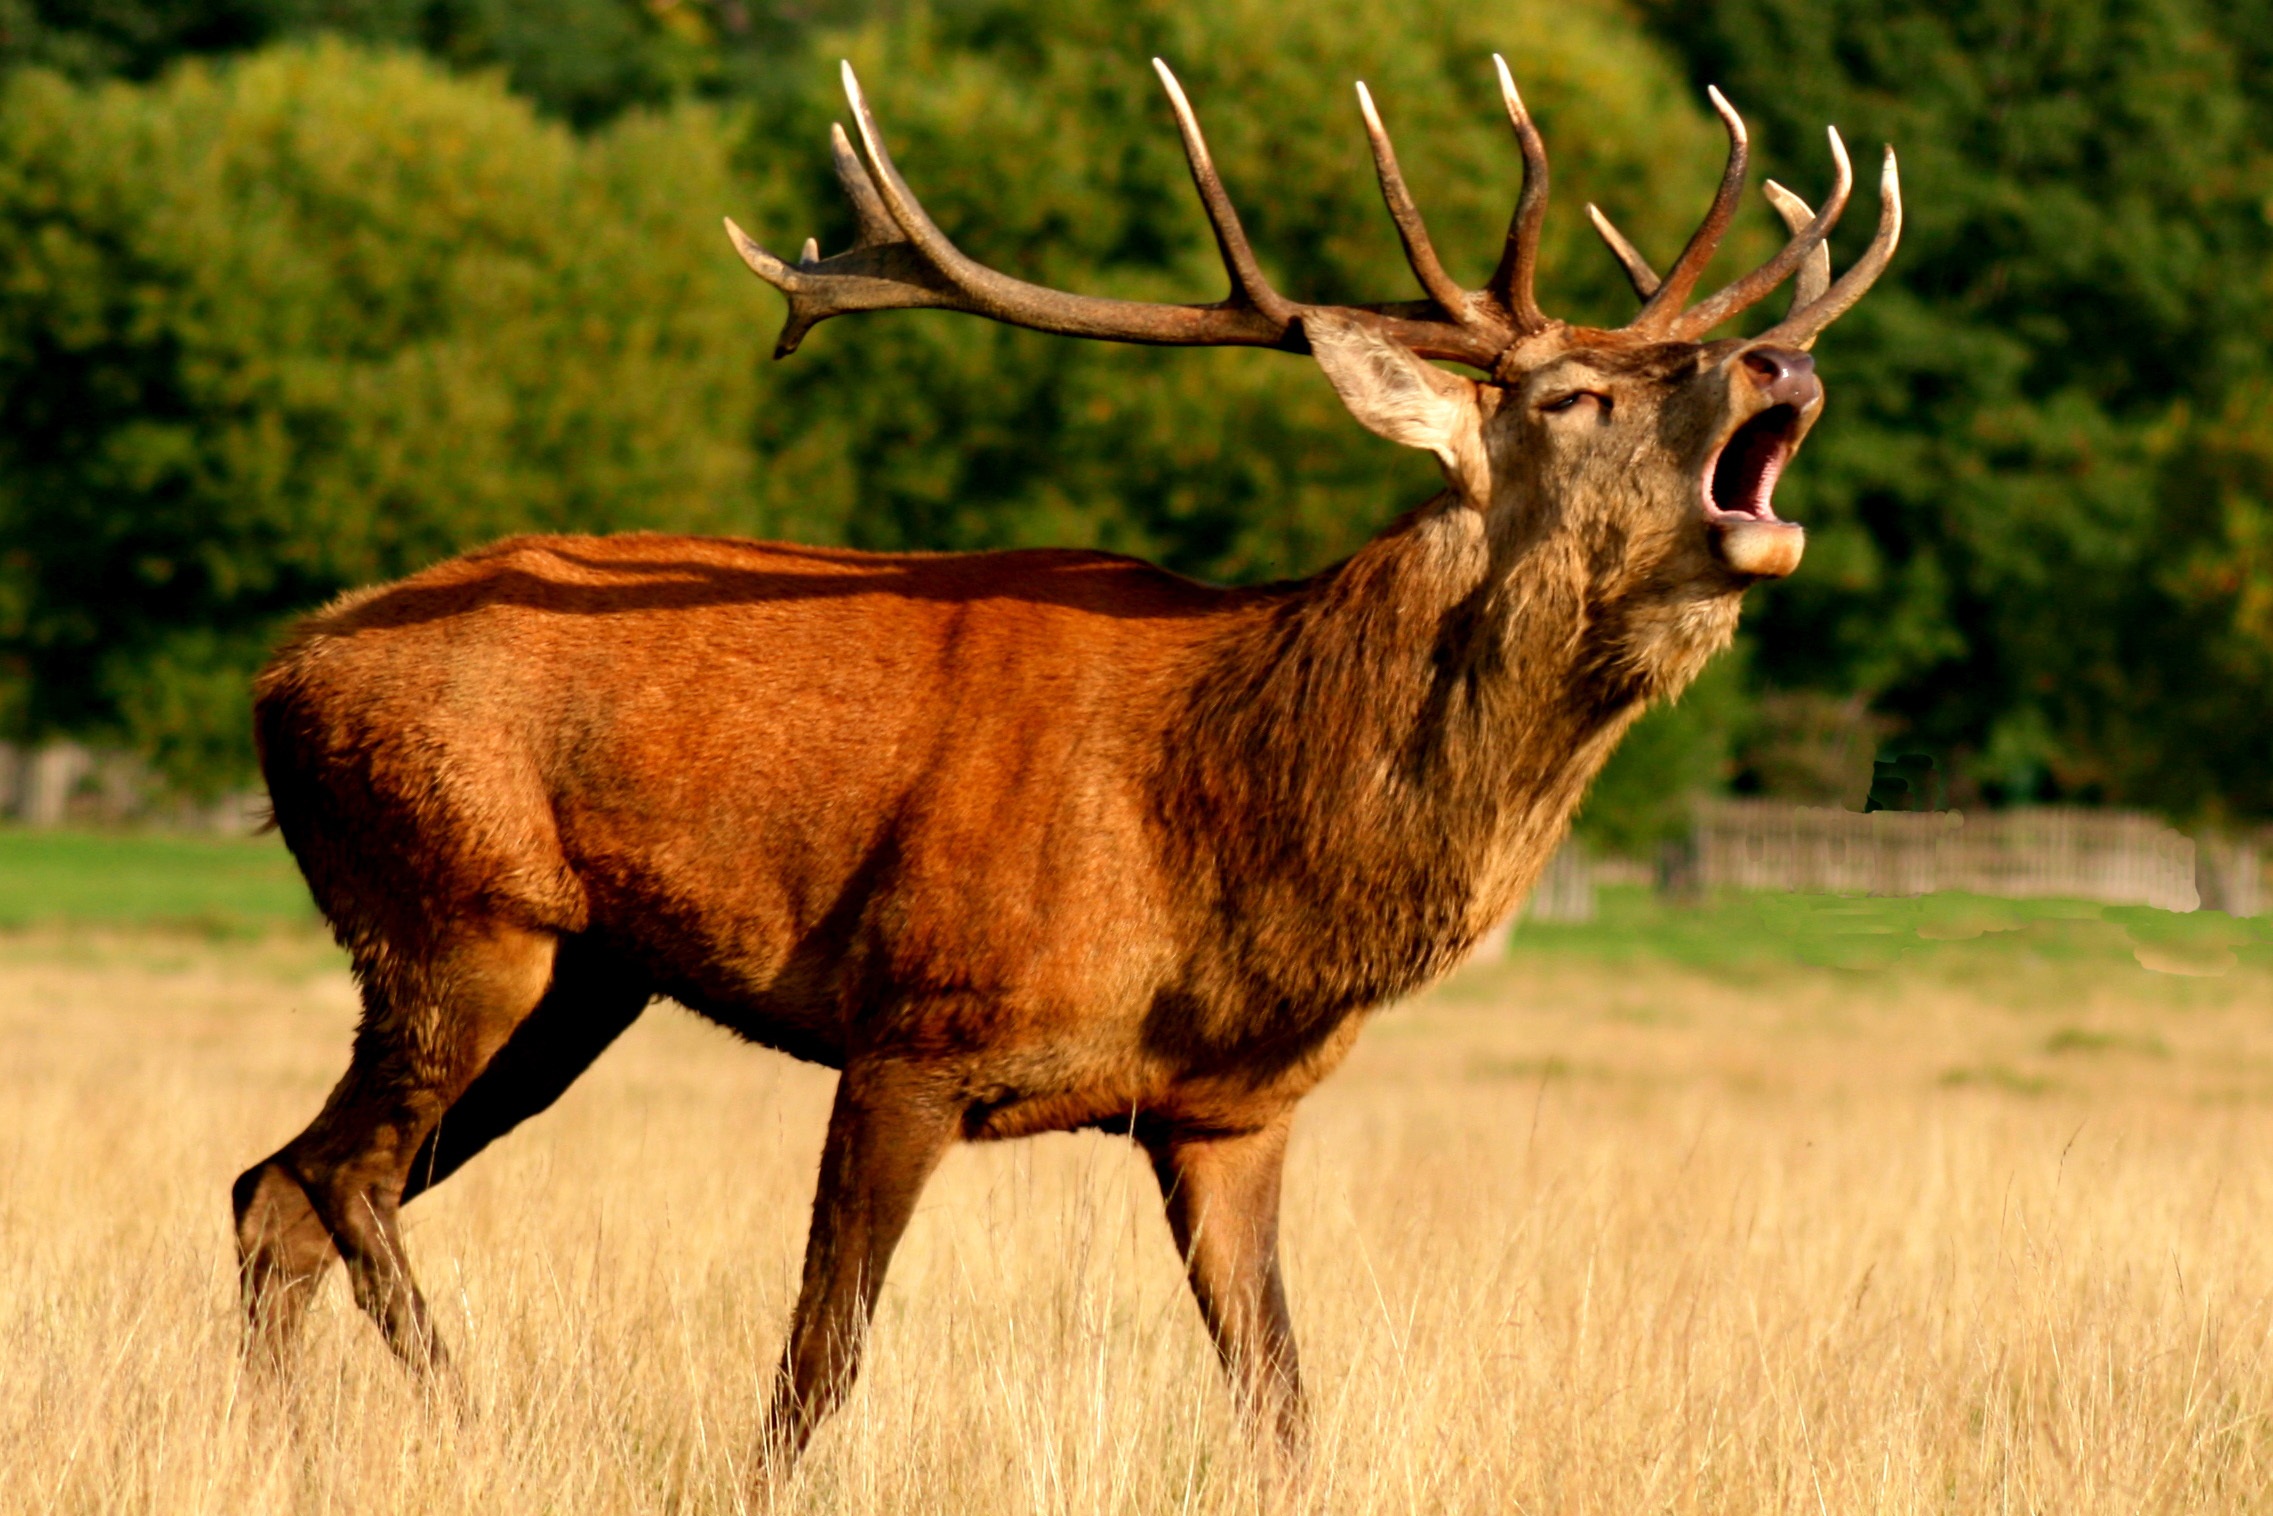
{"x":1808,"y":253}
{"x":1815,"y":307}
{"x":900,"y":259}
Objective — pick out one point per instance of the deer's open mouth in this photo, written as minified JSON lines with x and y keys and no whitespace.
{"x":1740,"y":481}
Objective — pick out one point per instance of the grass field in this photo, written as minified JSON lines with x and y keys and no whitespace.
{"x":206,"y":884}
{"x":1776,"y":1205}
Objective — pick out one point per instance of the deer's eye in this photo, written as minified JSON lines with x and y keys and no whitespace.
{"x":1570,"y":401}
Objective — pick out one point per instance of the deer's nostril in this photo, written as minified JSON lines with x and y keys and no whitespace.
{"x":1784,"y":374}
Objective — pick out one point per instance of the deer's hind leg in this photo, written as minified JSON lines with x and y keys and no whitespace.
{"x":283,"y":1249}
{"x":431,"y":1022}
{"x":591,"y":1000}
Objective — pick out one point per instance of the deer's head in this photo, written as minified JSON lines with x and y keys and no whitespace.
{"x":1645,"y":442}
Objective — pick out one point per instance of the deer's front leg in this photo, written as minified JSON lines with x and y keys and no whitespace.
{"x":1223,"y":1206}
{"x":891,"y":1124}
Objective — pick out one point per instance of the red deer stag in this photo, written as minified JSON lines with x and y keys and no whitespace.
{"x":1022,"y":841}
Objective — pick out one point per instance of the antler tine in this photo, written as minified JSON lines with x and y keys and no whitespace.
{"x":1419,"y":251}
{"x":915,"y":224}
{"x":816,"y":291}
{"x":1511,"y":282}
{"x":1638,"y":271}
{"x":1802,"y":326}
{"x":1663,"y":307}
{"x":873,"y":224}
{"x":1754,"y":287}
{"x":1815,"y":273}
{"x":1247,"y":282}
{"x":1003,"y":298}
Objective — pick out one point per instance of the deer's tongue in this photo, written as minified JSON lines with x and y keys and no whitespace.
{"x":1743,"y":478}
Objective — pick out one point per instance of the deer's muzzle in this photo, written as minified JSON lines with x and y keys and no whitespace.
{"x":1740,"y":479}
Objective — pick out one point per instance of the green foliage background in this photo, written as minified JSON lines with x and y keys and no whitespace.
{"x":2039,"y":513}
{"x":295,"y":294}
{"x":271,"y":332}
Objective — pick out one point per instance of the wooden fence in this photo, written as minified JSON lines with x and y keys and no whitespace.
{"x":1565,"y":892}
{"x":67,"y":784}
{"x":2117,"y":857}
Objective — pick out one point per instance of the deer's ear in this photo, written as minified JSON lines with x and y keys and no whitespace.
{"x":1396,"y":395}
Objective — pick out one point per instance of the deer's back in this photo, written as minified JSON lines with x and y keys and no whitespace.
{"x":756,"y":768}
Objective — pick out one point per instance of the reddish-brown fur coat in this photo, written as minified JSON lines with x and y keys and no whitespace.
{"x":1109,"y":841}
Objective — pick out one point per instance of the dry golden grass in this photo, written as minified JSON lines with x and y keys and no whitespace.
{"x":1562,"y":1238}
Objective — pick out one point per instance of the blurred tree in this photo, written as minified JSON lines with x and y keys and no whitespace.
{"x":2030,"y":506}
{"x":1807,"y":746}
{"x":1646,"y":796}
{"x":586,"y":61}
{"x":132,"y":39}
{"x":324,"y":317}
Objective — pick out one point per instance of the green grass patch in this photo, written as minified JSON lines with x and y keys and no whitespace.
{"x":214,"y":884}
{"x":1994,"y":1076}
{"x":2076,"y":1039}
{"x":1739,"y":933}
{"x":227,"y":884}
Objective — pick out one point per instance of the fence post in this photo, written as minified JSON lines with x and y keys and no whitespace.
{"x":50,"y":779}
{"x":2122,"y":858}
{"x":1679,"y":878}
{"x":1565,"y":891}
{"x":2229,"y":875}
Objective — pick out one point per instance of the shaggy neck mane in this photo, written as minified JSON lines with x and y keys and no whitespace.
{"x":1373,"y":764}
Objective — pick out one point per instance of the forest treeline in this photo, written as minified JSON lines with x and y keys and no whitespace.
{"x":295,"y":294}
